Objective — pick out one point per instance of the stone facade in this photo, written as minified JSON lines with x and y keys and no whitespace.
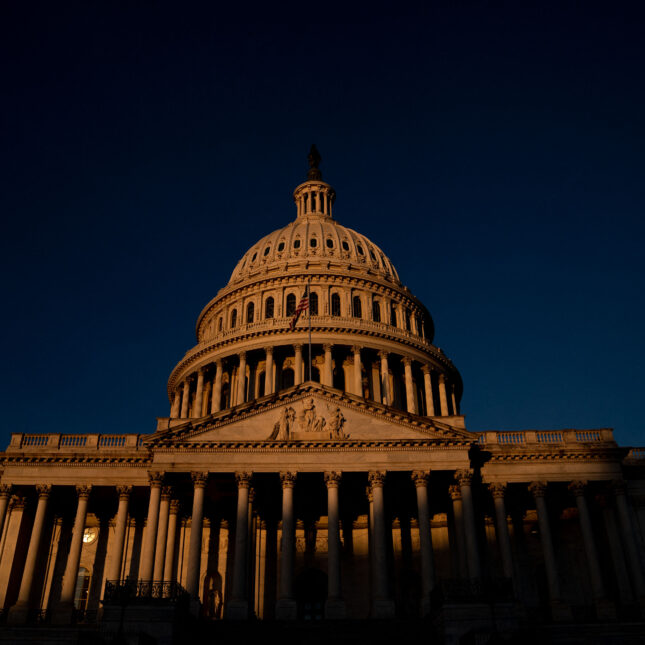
{"x":324,"y":471}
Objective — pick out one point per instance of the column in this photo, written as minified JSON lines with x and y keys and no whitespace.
{"x":19,"y":612}
{"x":297,"y":371}
{"x":420,"y":479}
{"x":116,"y":561}
{"x":498,"y":490}
{"x":604,"y":608}
{"x":199,"y":394}
{"x":150,"y":536}
{"x":169,"y":566}
{"x":185,"y":399}
{"x":443,"y":400}
{"x":382,"y":606}
{"x":454,"y":400}
{"x":238,"y":605}
{"x":358,"y":371}
{"x":464,"y":478}
{"x":241,"y":380}
{"x":176,"y":403}
{"x":268,"y":371}
{"x":162,"y":534}
{"x":427,"y":383}
{"x":286,"y":605}
{"x":216,"y":399}
{"x":458,"y":516}
{"x":409,"y":385}
{"x":195,"y":545}
{"x":5,"y":494}
{"x":65,"y":610}
{"x":629,"y":541}
{"x":559,"y":610}
{"x":335,"y":606}
{"x":328,"y":373}
{"x":385,"y":379}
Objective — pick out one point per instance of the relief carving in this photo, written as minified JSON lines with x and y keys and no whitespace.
{"x":308,"y":420}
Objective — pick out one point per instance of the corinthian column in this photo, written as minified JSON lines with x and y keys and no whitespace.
{"x":458,"y":516}
{"x":328,"y":375}
{"x":268,"y":371}
{"x":116,"y":560}
{"x":427,"y":383}
{"x":176,"y":402}
{"x":19,"y":612}
{"x":385,"y":379}
{"x":150,"y":536}
{"x":216,"y":399}
{"x":65,"y":610}
{"x":185,"y":399}
{"x":454,"y":400}
{"x":559,"y":610}
{"x":241,"y":380}
{"x":5,"y":494}
{"x":335,"y":606}
{"x":199,"y":394}
{"x":443,"y":399}
{"x":409,"y":385}
{"x":195,"y":547}
{"x":238,"y":605}
{"x":382,"y":607}
{"x":358,"y":371}
{"x":297,"y":372}
{"x":286,"y":606}
{"x":464,"y":477}
{"x":420,"y":479}
{"x":162,"y":533}
{"x":169,"y":568}
{"x":498,"y":490}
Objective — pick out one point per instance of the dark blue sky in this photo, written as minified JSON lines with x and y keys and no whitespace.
{"x":495,"y":153}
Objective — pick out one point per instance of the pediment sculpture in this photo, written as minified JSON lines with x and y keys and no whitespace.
{"x":291,"y":423}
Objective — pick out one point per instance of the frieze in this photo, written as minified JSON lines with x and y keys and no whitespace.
{"x":290,"y":423}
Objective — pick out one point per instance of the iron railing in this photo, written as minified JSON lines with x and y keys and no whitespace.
{"x":143,"y":592}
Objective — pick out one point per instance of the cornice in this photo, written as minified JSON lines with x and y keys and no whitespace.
{"x":586,"y":454}
{"x":76,"y":460}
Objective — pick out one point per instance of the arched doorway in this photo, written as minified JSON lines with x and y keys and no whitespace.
{"x":311,"y":593}
{"x":212,"y":595}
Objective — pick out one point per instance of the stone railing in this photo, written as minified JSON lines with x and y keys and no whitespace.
{"x":546,"y":437}
{"x":636,"y":455}
{"x":66,"y":442}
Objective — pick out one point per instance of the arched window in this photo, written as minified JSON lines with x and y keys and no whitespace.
{"x":407,"y":319}
{"x":82,"y":588}
{"x":357,"y":309}
{"x":250,"y":311}
{"x":393,"y":315}
{"x":288,"y":378}
{"x":268,"y":308}
{"x":376,"y":311}
{"x":335,"y":304}
{"x":233,"y":318}
{"x":313,"y":304}
{"x":220,"y":322}
{"x":291,"y":304}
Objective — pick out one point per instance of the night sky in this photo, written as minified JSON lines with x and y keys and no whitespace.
{"x":494,"y":153}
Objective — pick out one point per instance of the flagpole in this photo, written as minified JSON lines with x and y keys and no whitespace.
{"x":309,"y":311}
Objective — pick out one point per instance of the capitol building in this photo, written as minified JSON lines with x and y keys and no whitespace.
{"x":314,"y":464}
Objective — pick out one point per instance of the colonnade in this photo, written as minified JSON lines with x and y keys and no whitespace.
{"x":385,"y":377}
{"x":158,"y":547}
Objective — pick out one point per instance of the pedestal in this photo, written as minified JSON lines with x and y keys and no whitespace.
{"x":18,"y":614}
{"x":63,"y":614}
{"x":335,"y":609}
{"x":286,"y":609}
{"x":237,"y":610}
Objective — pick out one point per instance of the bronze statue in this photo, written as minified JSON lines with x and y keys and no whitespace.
{"x":314,"y":160}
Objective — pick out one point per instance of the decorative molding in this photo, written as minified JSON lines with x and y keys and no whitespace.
{"x":497,"y":490}
{"x":83,"y":491}
{"x":243,"y":479}
{"x":420,"y":478}
{"x":332,"y":478}
{"x":376,"y":478}
{"x":5,"y":490}
{"x":455,"y":492}
{"x":199,"y":479}
{"x":288,"y":479}
{"x":464,"y":477}
{"x":124,"y":492}
{"x":43,"y":490}
{"x":166,"y":493}
{"x":156,"y":478}
{"x":538,"y":489}
{"x":577,"y":487}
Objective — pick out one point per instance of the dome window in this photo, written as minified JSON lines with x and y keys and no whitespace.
{"x":407,"y":320}
{"x":313,"y":304}
{"x":393,"y":315}
{"x":255,"y":255}
{"x":330,"y":243}
{"x":219,"y":324}
{"x":296,"y":244}
{"x":268,"y":307}
{"x":291,"y":304}
{"x":359,"y":248}
{"x":357,"y":309}
{"x":345,"y":245}
{"x":372,"y":255}
{"x":266,"y":251}
{"x":250,"y":311}
{"x":335,"y":304}
{"x":313,"y":242}
{"x":376,"y":311}
{"x":233,"y":318}
{"x":280,"y":247}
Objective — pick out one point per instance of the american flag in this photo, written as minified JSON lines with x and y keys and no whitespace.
{"x":302,"y":306}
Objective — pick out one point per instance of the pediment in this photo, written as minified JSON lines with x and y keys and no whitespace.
{"x":311,"y":412}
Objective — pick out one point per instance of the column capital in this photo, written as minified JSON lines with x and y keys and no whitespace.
{"x":442,"y":377}
{"x":269,"y":349}
{"x":218,"y":363}
{"x":242,"y":356}
{"x":497,"y":489}
{"x":297,"y":348}
{"x":602,"y":499}
{"x":5,"y":490}
{"x":332,"y":478}
{"x":376,"y":478}
{"x":243,"y":479}
{"x":356,"y":349}
{"x":407,"y":361}
{"x":369,"y":493}
{"x":420,"y":478}
{"x":175,"y":506}
{"x":166,"y":492}
{"x":124,"y":492}
{"x":426,"y":369}
{"x":577,"y":487}
{"x":537,"y":489}
{"x":155,"y":478}
{"x":288,"y":479}
{"x":17,"y":502}
{"x":199,"y":478}
{"x":454,"y":491}
{"x":201,"y":370}
{"x":464,"y":476}
{"x":44,"y":490}
{"x":83,"y":491}
{"x":618,"y":486}
{"x":382,"y":354}
{"x":252,"y":495}
{"x":327,"y":347}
